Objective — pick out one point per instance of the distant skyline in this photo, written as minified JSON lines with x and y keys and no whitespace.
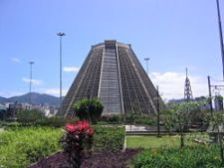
{"x":174,"y":34}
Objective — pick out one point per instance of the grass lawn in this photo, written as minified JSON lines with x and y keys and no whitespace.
{"x":152,"y":141}
{"x":164,"y":141}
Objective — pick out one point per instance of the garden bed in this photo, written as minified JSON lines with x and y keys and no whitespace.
{"x":96,"y":160}
{"x":21,"y":146}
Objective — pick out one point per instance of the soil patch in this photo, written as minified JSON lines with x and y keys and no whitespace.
{"x":97,"y":160}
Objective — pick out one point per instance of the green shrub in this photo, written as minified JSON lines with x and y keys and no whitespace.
{"x":88,"y":109}
{"x":55,"y":121}
{"x":134,"y":118}
{"x":112,"y":119}
{"x":9,"y":125}
{"x":188,"y":157}
{"x":22,"y":146}
{"x":27,"y":117}
{"x":108,"y":138}
{"x":37,"y":118}
{"x":131,"y":118}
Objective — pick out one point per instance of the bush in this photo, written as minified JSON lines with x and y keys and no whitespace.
{"x":9,"y":125}
{"x":134,"y":118}
{"x":23,"y":146}
{"x":187,"y":157}
{"x":56,"y":121}
{"x":131,"y":118}
{"x":112,"y":119}
{"x":88,"y":109}
{"x":108,"y":138}
{"x":27,"y":117}
{"x":37,"y":118}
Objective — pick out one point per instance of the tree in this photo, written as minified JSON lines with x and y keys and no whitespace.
{"x":217,"y":129}
{"x":180,"y":116}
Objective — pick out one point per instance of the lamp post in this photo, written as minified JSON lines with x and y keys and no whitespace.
{"x":31,"y":75}
{"x":147,"y":64}
{"x":158,"y":112}
{"x":220,"y":35}
{"x":60,"y":34}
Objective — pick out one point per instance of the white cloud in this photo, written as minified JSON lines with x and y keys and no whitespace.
{"x":55,"y":91}
{"x":71,"y":69}
{"x":171,"y":84}
{"x":8,"y":94}
{"x":34,"y":81}
{"x":15,"y":60}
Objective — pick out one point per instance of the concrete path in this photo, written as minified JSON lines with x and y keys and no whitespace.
{"x":144,"y":130}
{"x":131,"y":128}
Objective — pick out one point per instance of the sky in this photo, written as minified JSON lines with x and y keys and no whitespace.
{"x":174,"y":34}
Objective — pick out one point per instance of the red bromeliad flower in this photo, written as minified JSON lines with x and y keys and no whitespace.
{"x":90,"y":132}
{"x":79,"y":136}
{"x":80,"y":127}
{"x":70,"y":128}
{"x":84,"y":125}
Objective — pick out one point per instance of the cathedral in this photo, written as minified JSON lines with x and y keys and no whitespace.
{"x":112,"y":73}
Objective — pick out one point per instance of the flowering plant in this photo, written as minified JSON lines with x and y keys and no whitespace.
{"x":77,"y":138}
{"x":80,"y":127}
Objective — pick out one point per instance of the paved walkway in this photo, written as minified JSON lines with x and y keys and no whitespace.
{"x":144,"y":130}
{"x":133,"y":128}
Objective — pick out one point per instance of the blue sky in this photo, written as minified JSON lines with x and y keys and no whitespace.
{"x":174,"y":33}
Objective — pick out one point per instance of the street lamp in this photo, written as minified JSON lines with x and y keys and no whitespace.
{"x":31,"y":75}
{"x":147,"y":64}
{"x":220,"y":35}
{"x":60,"y":34}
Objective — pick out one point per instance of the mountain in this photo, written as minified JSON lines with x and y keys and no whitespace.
{"x":3,"y":99}
{"x":36,"y":98}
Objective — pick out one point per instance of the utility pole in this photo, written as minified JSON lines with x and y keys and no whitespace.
{"x":147,"y":64}
{"x":210,"y":95}
{"x":31,"y":76}
{"x":220,"y":35}
{"x":158,"y":113}
{"x":60,"y":34}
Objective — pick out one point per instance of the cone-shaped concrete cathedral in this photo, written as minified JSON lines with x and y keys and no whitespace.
{"x":112,"y":73}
